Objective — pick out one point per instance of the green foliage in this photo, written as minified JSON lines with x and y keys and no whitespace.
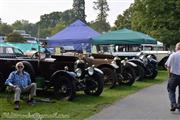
{"x":57,"y":28}
{"x":50,"y":20}
{"x":101,"y":24}
{"x":51,"y":23}
{"x":43,"y":33}
{"x":30,"y":28}
{"x":5,"y":29}
{"x":159,"y":18}
{"x":68,"y":17}
{"x":124,"y":20}
{"x":79,"y":9}
{"x":102,"y":6}
{"x":15,"y":37}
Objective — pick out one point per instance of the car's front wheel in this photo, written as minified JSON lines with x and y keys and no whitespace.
{"x":109,"y":77}
{"x":127,"y":76}
{"x":64,"y":88}
{"x":94,"y":85}
{"x":139,"y":73}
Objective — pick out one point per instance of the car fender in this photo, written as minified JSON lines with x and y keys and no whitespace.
{"x":137,"y":62}
{"x":132,"y":64}
{"x":115,"y":65}
{"x":98,"y":71}
{"x":163,"y":61}
{"x":62,"y":73}
{"x":107,"y":66}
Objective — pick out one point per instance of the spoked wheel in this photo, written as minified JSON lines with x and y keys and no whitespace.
{"x":94,"y":85}
{"x":109,"y":77}
{"x":64,"y":88}
{"x":151,"y":71}
{"x":128,"y":76}
{"x":139,"y":71}
{"x":152,"y":74}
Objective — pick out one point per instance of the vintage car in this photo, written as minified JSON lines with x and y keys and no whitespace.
{"x":63,"y":74}
{"x":158,"y":52}
{"x":114,"y":69}
{"x":132,"y":53}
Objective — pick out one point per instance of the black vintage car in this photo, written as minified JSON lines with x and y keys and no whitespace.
{"x":56,"y":72}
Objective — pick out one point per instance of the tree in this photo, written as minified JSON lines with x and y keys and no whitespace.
{"x":15,"y":37}
{"x":159,"y":18}
{"x":51,"y":23}
{"x":30,"y":28}
{"x":102,"y":6}
{"x":57,"y":28}
{"x":5,"y":29}
{"x":124,"y":20}
{"x":79,"y":9}
{"x":49,"y":20}
{"x":98,"y":26}
{"x":68,"y":17}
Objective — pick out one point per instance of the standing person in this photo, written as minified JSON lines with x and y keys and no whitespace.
{"x":20,"y":81}
{"x":45,"y":49}
{"x":173,"y":67}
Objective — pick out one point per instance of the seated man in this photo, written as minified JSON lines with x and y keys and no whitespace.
{"x":20,"y":81}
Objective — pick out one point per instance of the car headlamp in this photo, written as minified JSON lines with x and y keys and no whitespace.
{"x":116,"y":58}
{"x":124,"y":62}
{"x":80,"y":64}
{"x":90,"y":70}
{"x":78,"y":72}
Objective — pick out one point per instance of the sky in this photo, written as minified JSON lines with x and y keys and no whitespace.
{"x":31,"y":10}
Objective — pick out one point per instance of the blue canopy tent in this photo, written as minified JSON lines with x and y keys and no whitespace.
{"x":78,"y":35}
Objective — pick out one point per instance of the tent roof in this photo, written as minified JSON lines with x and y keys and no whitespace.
{"x":124,"y":36}
{"x":77,"y":32}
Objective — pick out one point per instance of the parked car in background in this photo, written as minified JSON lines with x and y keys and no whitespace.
{"x":115,"y":70}
{"x":10,"y":52}
{"x":158,"y":52}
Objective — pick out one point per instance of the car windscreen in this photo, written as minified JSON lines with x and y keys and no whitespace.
{"x":9,"y":50}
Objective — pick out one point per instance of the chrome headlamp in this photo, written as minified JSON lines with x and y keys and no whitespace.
{"x":116,"y":58}
{"x":116,"y":61}
{"x":78,"y":72}
{"x":124,"y":62}
{"x":80,"y":64}
{"x":90,"y":70}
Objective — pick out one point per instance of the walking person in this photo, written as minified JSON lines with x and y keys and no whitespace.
{"x":20,"y":81}
{"x":173,"y":67}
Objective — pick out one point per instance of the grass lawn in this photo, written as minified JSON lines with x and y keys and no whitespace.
{"x":82,"y":107}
